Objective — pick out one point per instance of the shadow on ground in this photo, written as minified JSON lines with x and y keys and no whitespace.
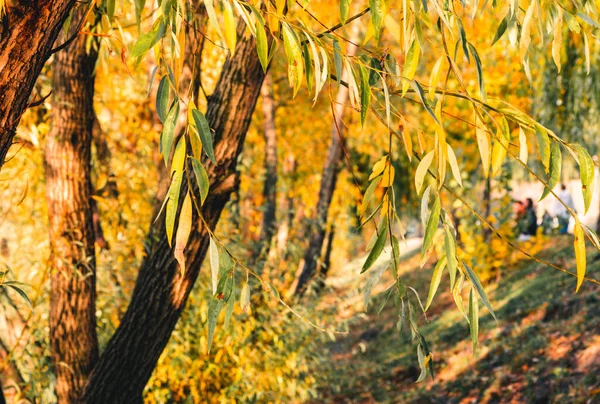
{"x":545,"y":347}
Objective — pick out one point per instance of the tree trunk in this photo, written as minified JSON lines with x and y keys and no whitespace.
{"x":161,"y":291}
{"x":327,"y":187}
{"x":27,"y":33}
{"x":270,"y":182}
{"x":67,"y":161}
{"x":9,"y":376}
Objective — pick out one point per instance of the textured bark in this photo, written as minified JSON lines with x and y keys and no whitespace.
{"x":27,"y":33}
{"x":270,"y":182}
{"x":161,"y":291}
{"x":67,"y":159}
{"x":327,"y":187}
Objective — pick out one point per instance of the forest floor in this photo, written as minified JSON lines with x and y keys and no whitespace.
{"x":545,"y":347}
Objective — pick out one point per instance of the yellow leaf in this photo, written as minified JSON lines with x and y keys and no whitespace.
{"x":387,"y":179}
{"x":422,"y":170}
{"x":557,"y":41}
{"x":178,"y":156}
{"x":212,"y":16}
{"x":587,"y":53}
{"x":378,"y":167}
{"x":435,"y":77}
{"x":580,"y":256}
{"x":526,"y":31}
{"x":454,"y":165}
{"x":407,"y":144}
{"x":483,"y":142}
{"x":230,"y":34}
{"x":183,"y":231}
{"x":523,"y":151}
{"x":410,"y":64}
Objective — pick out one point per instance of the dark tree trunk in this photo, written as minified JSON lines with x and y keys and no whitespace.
{"x":161,"y":291}
{"x":270,"y":182}
{"x":27,"y":33}
{"x":327,"y":187}
{"x":67,"y":159}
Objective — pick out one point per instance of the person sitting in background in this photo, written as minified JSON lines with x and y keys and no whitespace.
{"x":527,"y":221}
{"x":561,"y":212}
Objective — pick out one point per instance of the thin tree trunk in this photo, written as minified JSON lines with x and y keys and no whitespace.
{"x":270,"y":182}
{"x":10,"y":374}
{"x":161,"y":291}
{"x":328,"y":182}
{"x":27,"y":33}
{"x":67,"y":158}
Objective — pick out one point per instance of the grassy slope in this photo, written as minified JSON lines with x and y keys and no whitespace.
{"x":545,"y":348}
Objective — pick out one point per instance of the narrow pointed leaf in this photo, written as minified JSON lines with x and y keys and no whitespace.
{"x":479,"y":288}
{"x":555,"y":169}
{"x":435,"y":280}
{"x":205,"y":134}
{"x":580,"y":254}
{"x":473,"y":319}
{"x":377,"y":248}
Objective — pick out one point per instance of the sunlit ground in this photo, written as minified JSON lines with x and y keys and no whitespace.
{"x":545,"y":347}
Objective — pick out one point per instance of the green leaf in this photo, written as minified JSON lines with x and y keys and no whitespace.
{"x":419,"y":90}
{"x":586,"y":174}
{"x":201,"y":178}
{"x":337,"y":59}
{"x":450,"y":247}
{"x":262,"y":46}
{"x":344,"y":7}
{"x":365,"y":93}
{"x":377,"y":248}
{"x":501,"y":30}
{"x":479,"y":72}
{"x":555,"y":168}
{"x":473,"y":319}
{"x":308,"y":67}
{"x":110,"y":9}
{"x":173,"y":204}
{"x":230,"y":302}
{"x":377,"y":15}
{"x":214,"y":308}
{"x":148,"y":40}
{"x":435,"y":280}
{"x":205,"y":134}
{"x":162,"y":98}
{"x":588,"y":20}
{"x":477,"y":284}
{"x":410,"y":65}
{"x":432,"y":225}
{"x":168,"y":133}
{"x":369,"y":195}
{"x":373,"y":280}
{"x":543,"y":141}
{"x":16,"y":287}
{"x":213,"y":252}
{"x":294,"y":57}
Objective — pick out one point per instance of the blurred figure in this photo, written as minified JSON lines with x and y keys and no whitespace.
{"x":526,"y":221}
{"x":561,"y":212}
{"x":547,"y":222}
